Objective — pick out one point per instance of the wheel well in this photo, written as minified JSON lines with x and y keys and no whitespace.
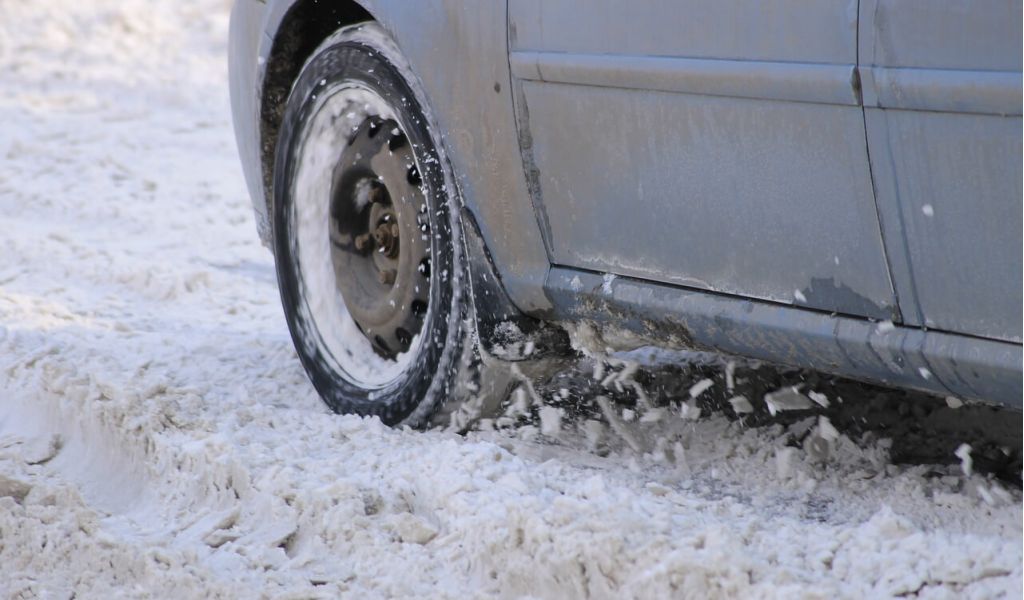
{"x":305,"y":26}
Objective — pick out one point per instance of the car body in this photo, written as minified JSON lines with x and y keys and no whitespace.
{"x":832,"y":185}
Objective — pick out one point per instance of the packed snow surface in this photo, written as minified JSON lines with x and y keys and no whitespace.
{"x":158,"y":437}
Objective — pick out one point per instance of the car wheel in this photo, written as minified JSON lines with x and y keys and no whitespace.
{"x":368,"y":247}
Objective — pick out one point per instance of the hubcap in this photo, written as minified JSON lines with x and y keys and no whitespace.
{"x":380,"y":236}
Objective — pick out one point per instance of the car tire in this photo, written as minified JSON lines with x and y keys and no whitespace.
{"x":369,"y":250}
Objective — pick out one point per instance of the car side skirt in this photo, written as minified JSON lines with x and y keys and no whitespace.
{"x":927,"y":360}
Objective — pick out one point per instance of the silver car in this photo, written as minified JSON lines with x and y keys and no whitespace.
{"x":833,"y":185}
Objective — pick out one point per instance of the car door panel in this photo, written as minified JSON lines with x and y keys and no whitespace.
{"x":712,"y":144}
{"x":654,"y":193}
{"x":942,"y":95}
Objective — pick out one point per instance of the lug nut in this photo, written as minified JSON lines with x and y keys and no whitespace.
{"x":363,"y":241}
{"x":376,"y":194}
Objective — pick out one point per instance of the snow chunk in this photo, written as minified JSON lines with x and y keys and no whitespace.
{"x":606,"y":286}
{"x":963,"y":452}
{"x":652,"y":416}
{"x":700,"y":387}
{"x":885,"y":327}
{"x":786,"y":399}
{"x":819,"y":398}
{"x":594,"y":431}
{"x":13,"y":488}
{"x":413,"y":530}
{"x":689,"y":411}
{"x":740,"y":405}
{"x":784,"y":459}
{"x":826,"y":430}
{"x":550,"y":420}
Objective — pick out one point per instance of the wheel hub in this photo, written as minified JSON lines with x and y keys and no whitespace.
{"x":381,"y":246}
{"x":386,"y":236}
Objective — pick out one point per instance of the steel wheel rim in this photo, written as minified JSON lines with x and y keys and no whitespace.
{"x":370,"y":325}
{"x":380,"y":234}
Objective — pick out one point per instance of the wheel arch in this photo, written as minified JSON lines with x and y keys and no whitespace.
{"x":293,"y":29}
{"x":470,"y":86}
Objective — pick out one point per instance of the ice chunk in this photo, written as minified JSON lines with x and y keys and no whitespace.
{"x":652,"y":416}
{"x":689,"y":411}
{"x":740,"y":405}
{"x":550,"y":420}
{"x":817,"y":448}
{"x":520,"y":403}
{"x":819,"y":399}
{"x":826,"y":430}
{"x":786,"y":399}
{"x":700,"y":387}
{"x":963,"y":452}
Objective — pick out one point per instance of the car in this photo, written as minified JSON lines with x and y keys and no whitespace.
{"x":450,"y":184}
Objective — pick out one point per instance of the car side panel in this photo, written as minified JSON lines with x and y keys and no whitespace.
{"x":713,"y":144}
{"x":942,"y":94}
{"x":742,"y":196}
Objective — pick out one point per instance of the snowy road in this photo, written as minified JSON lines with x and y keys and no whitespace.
{"x":159,"y":439}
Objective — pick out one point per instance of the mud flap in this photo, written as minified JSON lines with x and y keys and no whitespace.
{"x":502,"y":346}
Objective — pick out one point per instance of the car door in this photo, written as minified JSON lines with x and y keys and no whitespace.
{"x":942,"y":95}
{"x":714,"y":144}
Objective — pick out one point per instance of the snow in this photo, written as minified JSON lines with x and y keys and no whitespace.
{"x":689,"y":411}
{"x":158,"y":437}
{"x":963,"y":452}
{"x":700,"y":387}
{"x":740,"y":405}
{"x":786,"y":399}
{"x":884,"y":327}
{"x":550,"y":420}
{"x":818,"y":398}
{"x":606,"y":283}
